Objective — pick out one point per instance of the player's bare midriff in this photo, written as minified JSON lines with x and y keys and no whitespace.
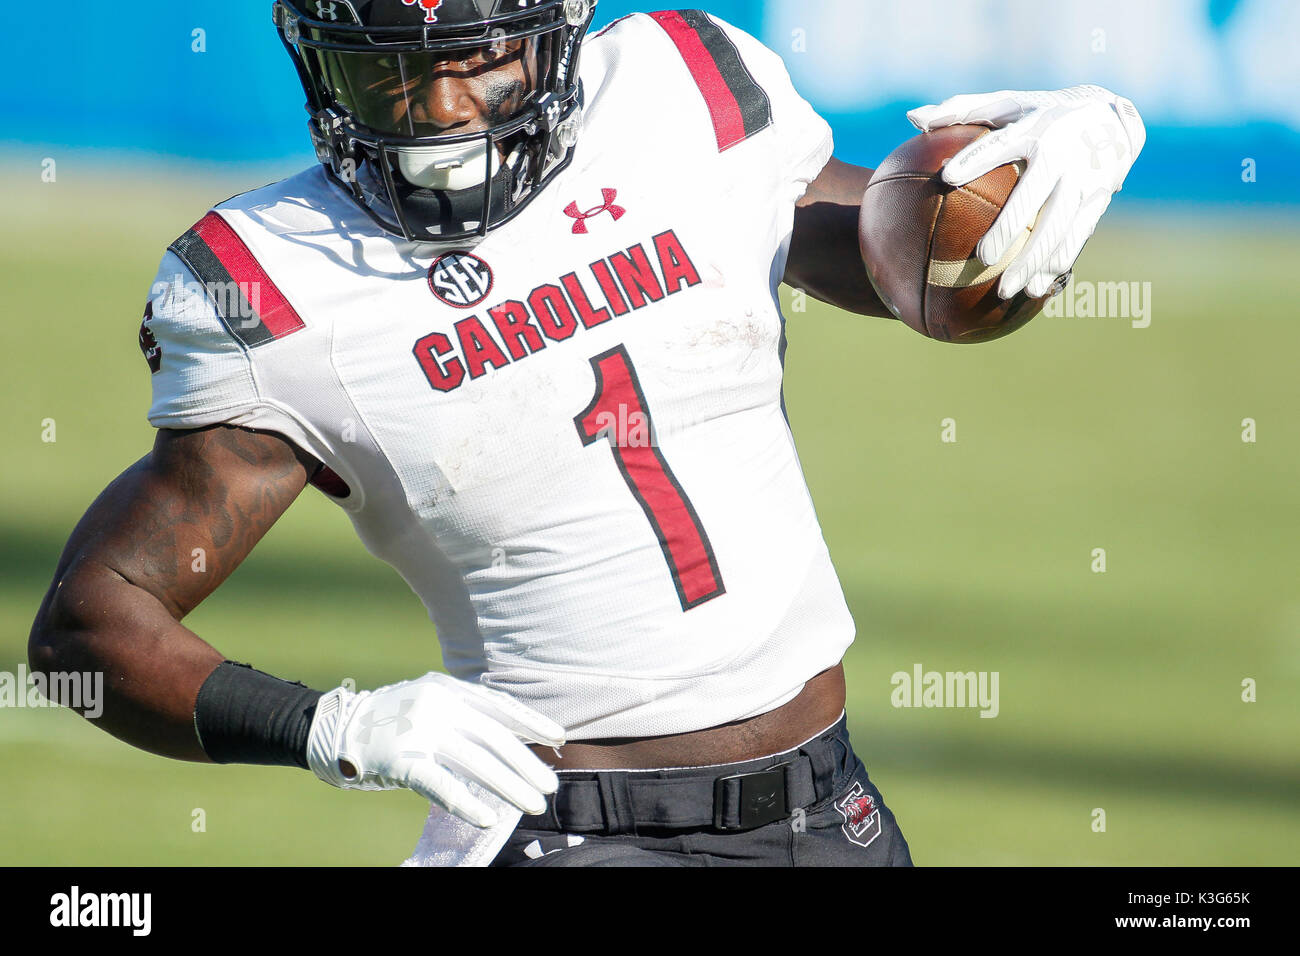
{"x":816,"y":707}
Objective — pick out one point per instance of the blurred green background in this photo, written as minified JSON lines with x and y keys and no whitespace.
{"x":1120,"y":691}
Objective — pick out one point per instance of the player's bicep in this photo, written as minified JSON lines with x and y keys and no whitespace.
{"x":180,"y":520}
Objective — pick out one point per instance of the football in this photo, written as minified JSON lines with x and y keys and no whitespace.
{"x":918,"y":238}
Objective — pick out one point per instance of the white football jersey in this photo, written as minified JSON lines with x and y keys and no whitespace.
{"x":570,"y":439}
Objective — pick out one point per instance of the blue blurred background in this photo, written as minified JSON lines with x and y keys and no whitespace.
{"x":1216,"y":80}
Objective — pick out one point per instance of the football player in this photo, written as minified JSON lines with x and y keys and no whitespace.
{"x":522,"y":325}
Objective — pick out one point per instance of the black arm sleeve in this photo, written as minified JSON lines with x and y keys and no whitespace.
{"x":245,"y":716}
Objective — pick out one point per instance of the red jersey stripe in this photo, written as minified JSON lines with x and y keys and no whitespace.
{"x":728,"y":123}
{"x":277,"y":315}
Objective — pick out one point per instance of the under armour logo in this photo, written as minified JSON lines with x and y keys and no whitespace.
{"x":580,"y":227}
{"x":428,"y":6}
{"x":537,"y":849}
{"x":1111,"y":140}
{"x":327,"y":11}
{"x":370,"y":723}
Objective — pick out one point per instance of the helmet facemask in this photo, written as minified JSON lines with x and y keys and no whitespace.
{"x":437,"y":173}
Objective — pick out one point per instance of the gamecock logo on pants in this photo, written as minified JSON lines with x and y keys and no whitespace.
{"x":861,"y":815}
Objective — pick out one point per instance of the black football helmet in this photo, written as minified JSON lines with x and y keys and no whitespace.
{"x":365,"y":66}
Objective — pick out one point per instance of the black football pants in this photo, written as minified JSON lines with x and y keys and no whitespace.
{"x":810,"y":806}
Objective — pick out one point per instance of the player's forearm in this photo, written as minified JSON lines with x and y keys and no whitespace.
{"x":95,"y":622}
{"x":825,"y":258}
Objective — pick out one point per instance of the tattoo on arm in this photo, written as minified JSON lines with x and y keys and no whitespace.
{"x":200,"y":499}
{"x":227,"y":487}
{"x":158,"y":540}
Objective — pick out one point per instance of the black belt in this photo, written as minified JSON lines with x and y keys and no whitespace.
{"x":736,"y":796}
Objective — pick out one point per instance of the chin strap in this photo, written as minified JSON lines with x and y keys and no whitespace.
{"x":387,"y":193}
{"x":454,"y":211}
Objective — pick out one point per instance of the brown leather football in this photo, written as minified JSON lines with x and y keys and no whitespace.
{"x":918,"y":238}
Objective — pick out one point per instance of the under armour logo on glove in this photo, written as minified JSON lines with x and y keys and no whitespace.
{"x":580,"y":227}
{"x":369,"y":722}
{"x":1111,"y":140}
{"x":429,"y":6}
{"x":467,"y":734}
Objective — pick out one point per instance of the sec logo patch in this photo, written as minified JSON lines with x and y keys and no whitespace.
{"x":460,"y":279}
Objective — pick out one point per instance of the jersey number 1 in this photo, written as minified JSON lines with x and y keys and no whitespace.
{"x":619,"y":413}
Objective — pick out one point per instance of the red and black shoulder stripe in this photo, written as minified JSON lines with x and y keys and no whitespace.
{"x":738,"y":106}
{"x":251,"y":305}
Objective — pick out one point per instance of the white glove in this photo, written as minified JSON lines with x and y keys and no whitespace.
{"x":430,"y":735}
{"x":1079,"y":145}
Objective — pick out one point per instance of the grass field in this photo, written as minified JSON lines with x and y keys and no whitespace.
{"x":1118,"y":690}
